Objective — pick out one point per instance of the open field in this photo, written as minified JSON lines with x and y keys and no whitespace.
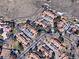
{"x":22,"y":8}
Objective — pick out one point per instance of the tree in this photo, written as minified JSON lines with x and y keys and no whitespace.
{"x":1,"y":45}
{"x":18,"y":46}
{"x":61,"y":39}
{"x":53,"y":55}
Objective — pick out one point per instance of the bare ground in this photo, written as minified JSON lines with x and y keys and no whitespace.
{"x":21,"y":8}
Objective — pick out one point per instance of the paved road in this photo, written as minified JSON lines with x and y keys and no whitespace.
{"x":52,"y":47}
{"x":32,"y":45}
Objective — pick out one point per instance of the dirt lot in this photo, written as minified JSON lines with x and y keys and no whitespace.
{"x":16,"y":8}
{"x":21,"y":8}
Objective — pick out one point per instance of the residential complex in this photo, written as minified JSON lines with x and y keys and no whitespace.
{"x":51,"y":35}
